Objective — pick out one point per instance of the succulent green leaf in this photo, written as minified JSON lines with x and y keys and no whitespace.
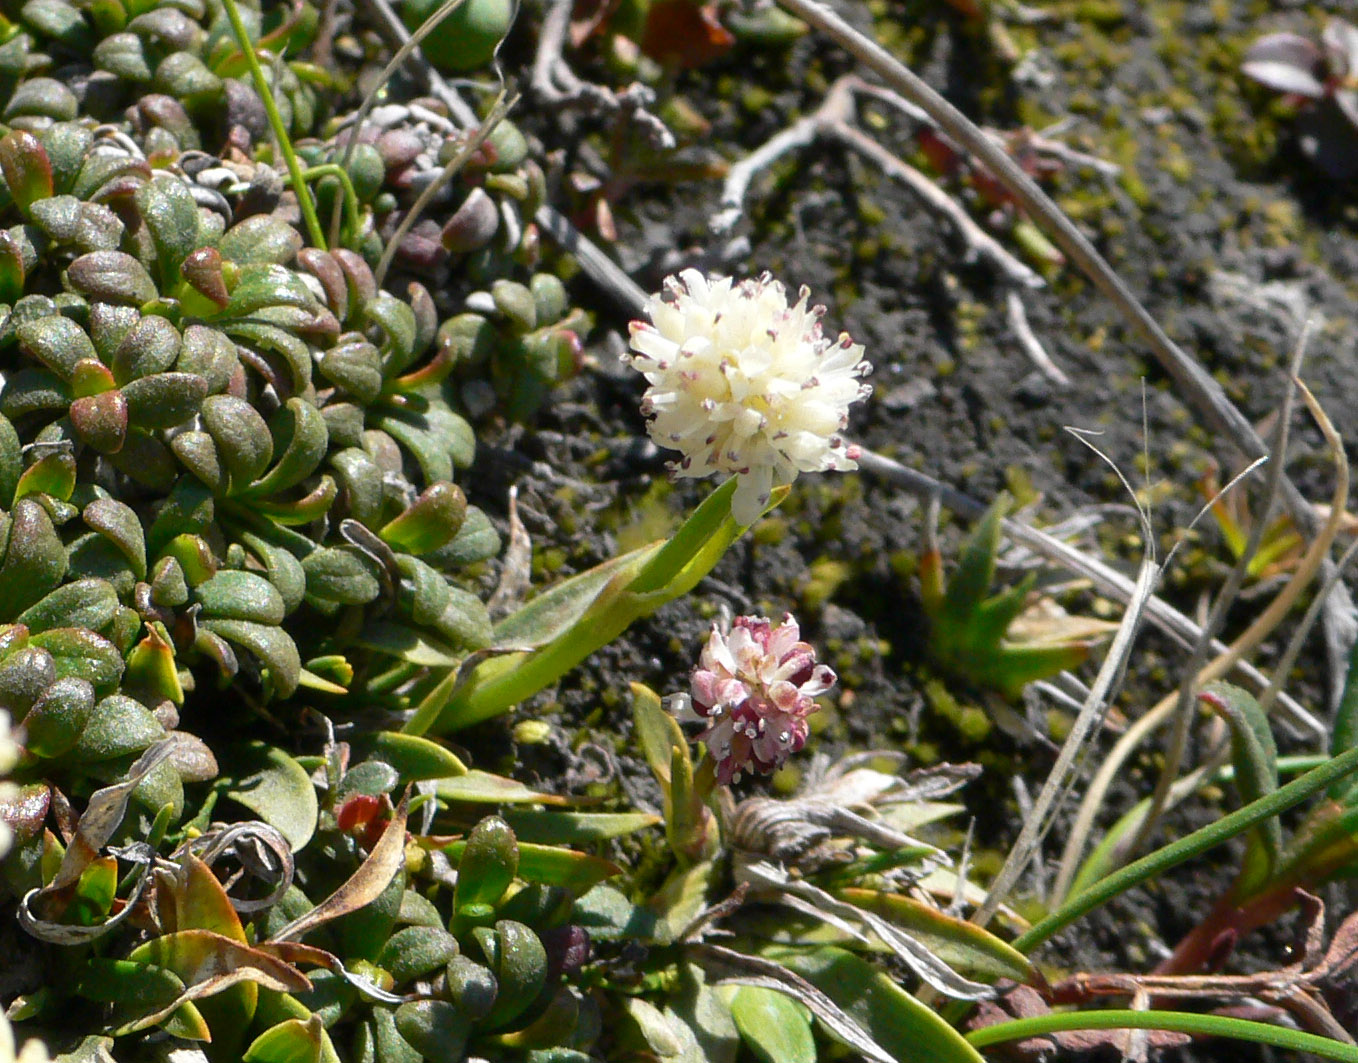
{"x":415,"y":759}
{"x":415,"y":951}
{"x":11,"y":462}
{"x":278,"y":338}
{"x":12,"y":269}
{"x":361,"y":480}
{"x":198,"y":453}
{"x":169,"y":589}
{"x":209,"y":353}
{"x":397,"y":322}
{"x":283,"y":570}
{"x":355,"y":366}
{"x":33,"y":391}
{"x":117,"y":727}
{"x":417,"y":434}
{"x":519,"y":962}
{"x":776,"y":1028}
{"x":576,"y":828}
{"x":388,"y":1044}
{"x":57,"y":218}
{"x":431,"y":521}
{"x":57,"y":342}
{"x":101,"y":174}
{"x":80,"y":652}
{"x":66,"y":144}
{"x":608,"y":915}
{"x":301,"y":438}
{"x":271,"y":644}
{"x":242,"y":438}
{"x":152,"y":670}
{"x":188,"y":510}
{"x":275,"y":787}
{"x":26,"y":168}
{"x":184,"y":77}
{"x":52,"y":475}
{"x":265,"y":285}
{"x":57,"y":718}
{"x":24,"y":674}
{"x":372,"y":778}
{"x":92,"y":556}
{"x":337,"y":574}
{"x":170,"y":214}
{"x":435,"y":1029}
{"x":150,"y":346}
{"x":490,"y":859}
{"x":101,"y":421}
{"x":34,"y":557}
{"x":261,"y":239}
{"x":147,"y":461}
{"x":120,"y":526}
{"x":124,"y":55}
{"x":424,"y":594}
{"x":164,"y":400}
{"x":236,"y":595}
{"x":88,"y":603}
{"x":112,"y":277}
{"x":291,"y":1041}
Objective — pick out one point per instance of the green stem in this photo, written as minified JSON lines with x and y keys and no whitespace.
{"x":1174,"y":1021}
{"x":308,"y":208}
{"x":696,"y":530}
{"x":1160,"y":861}
{"x":496,"y":685}
{"x":332,"y":169}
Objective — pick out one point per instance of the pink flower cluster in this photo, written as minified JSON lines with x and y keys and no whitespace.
{"x":754,"y":689}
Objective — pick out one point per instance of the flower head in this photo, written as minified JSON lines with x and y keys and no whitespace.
{"x":754,"y":689}
{"x":743,"y":383}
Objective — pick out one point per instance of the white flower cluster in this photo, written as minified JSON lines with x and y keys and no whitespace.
{"x":744,"y":384}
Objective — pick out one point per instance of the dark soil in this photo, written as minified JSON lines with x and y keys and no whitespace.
{"x":1217,"y":222}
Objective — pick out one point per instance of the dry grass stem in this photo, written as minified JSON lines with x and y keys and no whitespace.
{"x":1226,"y":597}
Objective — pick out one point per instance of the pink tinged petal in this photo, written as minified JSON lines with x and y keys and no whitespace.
{"x":704,"y":686}
{"x":732,"y":692}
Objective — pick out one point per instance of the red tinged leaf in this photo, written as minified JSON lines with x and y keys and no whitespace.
{"x":685,"y":34}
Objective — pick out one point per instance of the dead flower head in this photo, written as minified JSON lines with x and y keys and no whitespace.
{"x":743,"y":383}
{"x":754,"y":688}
